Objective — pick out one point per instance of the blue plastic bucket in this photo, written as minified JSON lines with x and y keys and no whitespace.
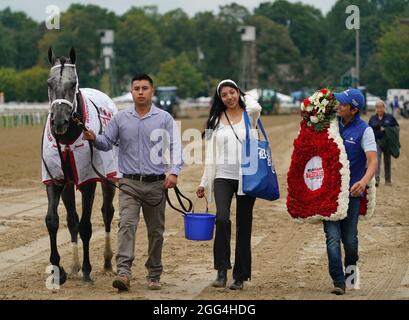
{"x":199,"y":226}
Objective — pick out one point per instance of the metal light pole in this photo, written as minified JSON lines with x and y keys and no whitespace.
{"x":357,"y":53}
{"x":248,"y":74}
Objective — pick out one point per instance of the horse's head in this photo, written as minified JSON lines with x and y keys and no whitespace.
{"x":62,"y":89}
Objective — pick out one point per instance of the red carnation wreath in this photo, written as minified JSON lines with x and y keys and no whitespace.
{"x":318,"y":178}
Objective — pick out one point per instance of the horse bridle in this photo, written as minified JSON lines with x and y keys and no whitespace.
{"x":73,"y":116}
{"x":73,"y":104}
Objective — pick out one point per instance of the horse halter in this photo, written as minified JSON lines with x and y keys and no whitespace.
{"x":72,"y":104}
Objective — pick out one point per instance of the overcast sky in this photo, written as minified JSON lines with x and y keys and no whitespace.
{"x":37,"y":8}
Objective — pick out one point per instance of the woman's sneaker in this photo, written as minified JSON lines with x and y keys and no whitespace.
{"x":237,"y":285}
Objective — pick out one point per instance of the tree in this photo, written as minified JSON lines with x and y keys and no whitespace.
{"x":8,"y":83}
{"x":138,"y":46}
{"x":307,"y":29}
{"x":181,"y":73}
{"x":79,"y":26}
{"x":27,"y":85}
{"x":32,"y":85}
{"x":233,"y":13}
{"x":7,"y":48}
{"x":375,"y":17}
{"x":220,"y":44}
{"x":176,"y":33}
{"x":374,"y":78}
{"x":275,"y":49}
{"x":305,"y":23}
{"x":394,"y":55}
{"x":25,"y":33}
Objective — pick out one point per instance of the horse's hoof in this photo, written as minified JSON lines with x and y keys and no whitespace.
{"x":63,"y":276}
{"x":108,"y":267}
{"x":87,"y":279}
{"x":109,"y":272}
{"x":74,"y":271}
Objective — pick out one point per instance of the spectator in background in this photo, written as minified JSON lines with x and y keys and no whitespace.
{"x":395,"y":106}
{"x":379,"y":122}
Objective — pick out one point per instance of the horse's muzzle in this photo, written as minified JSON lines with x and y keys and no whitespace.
{"x":60,"y":127}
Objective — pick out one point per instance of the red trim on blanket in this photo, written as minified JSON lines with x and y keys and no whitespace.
{"x":48,"y":182}
{"x":87,"y":182}
{"x":111,"y":175}
{"x":73,"y":167}
{"x":84,"y":109}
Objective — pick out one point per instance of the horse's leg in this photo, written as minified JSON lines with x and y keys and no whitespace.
{"x":68,"y":197}
{"x":85,"y":227}
{"x":52,"y":222}
{"x":108,"y":194}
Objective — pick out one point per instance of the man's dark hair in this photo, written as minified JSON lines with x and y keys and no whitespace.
{"x":142,"y":76}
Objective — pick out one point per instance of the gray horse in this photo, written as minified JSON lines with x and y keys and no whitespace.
{"x":65,"y":104}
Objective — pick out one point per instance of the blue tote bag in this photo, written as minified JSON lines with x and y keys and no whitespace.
{"x":258,"y":172}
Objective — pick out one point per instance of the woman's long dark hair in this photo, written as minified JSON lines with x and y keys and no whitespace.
{"x":218,"y":106}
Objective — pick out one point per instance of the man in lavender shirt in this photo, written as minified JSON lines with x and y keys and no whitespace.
{"x":144,"y":133}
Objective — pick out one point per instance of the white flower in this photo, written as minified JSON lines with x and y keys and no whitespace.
{"x":314,"y":96}
{"x":321,"y":109}
{"x":324,"y":102}
{"x":320,"y":95}
{"x":309,"y":108}
{"x":314,"y":119}
{"x":302,"y":106}
{"x":252,"y":105}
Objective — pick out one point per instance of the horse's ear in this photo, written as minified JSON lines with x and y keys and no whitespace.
{"x":51,"y":57}
{"x":73,"y":56}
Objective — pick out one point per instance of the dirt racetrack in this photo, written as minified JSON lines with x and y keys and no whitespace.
{"x":289,"y":260}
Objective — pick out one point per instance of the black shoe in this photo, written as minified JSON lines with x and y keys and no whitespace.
{"x":237,"y":285}
{"x":338,"y":289}
{"x":221,"y":279}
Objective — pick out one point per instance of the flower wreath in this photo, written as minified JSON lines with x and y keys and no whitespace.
{"x":318,"y":178}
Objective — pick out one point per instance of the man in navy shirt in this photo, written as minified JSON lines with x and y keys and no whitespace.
{"x":379,"y":122}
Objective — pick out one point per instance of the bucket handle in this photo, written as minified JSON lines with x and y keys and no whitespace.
{"x":207,"y":204}
{"x":179,"y":195}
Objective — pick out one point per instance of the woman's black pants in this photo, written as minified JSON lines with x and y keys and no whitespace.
{"x":224,"y":189}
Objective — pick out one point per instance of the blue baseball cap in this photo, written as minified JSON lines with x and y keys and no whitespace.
{"x":353,"y":97}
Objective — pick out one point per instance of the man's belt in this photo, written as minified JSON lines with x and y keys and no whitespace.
{"x":145,"y":178}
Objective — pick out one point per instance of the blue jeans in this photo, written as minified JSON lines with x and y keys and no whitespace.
{"x":347,"y":231}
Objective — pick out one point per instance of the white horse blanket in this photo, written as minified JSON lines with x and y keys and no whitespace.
{"x":78,"y":152}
